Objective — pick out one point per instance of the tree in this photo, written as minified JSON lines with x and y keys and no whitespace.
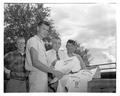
{"x":84,"y":53}
{"x":20,"y":19}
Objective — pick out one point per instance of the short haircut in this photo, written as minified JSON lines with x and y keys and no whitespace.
{"x":43,"y":22}
{"x":57,"y":38}
{"x":19,"y":38}
{"x":72,"y":42}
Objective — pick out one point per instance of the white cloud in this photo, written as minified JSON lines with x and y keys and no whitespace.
{"x":89,"y":17}
{"x":109,"y":57}
{"x":93,"y":25}
{"x":103,"y":43}
{"x":107,"y":46}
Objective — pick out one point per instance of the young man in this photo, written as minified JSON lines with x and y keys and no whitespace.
{"x":14,"y":68}
{"x":36,"y":60}
{"x":53,"y":56}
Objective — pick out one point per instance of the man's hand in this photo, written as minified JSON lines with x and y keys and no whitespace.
{"x":8,"y":75}
{"x":58,"y":74}
{"x":7,"y":72}
{"x":54,"y":62}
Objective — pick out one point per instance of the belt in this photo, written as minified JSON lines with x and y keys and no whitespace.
{"x":14,"y":76}
{"x":74,"y":72}
{"x":21,"y":79}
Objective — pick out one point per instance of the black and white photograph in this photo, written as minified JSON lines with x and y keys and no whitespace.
{"x":59,"y":48}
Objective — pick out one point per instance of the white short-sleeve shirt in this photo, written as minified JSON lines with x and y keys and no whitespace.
{"x":37,"y":78}
{"x":51,"y":56}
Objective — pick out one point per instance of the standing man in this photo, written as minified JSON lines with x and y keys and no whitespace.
{"x":53,"y":56}
{"x":36,"y":60}
{"x":14,"y":63}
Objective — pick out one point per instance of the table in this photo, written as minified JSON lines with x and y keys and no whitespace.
{"x":102,"y":85}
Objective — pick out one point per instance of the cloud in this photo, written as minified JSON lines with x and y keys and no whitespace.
{"x":95,"y":18}
{"x":109,"y":57}
{"x":103,"y":51}
{"x":93,"y":25}
{"x":103,"y":43}
{"x":100,"y":22}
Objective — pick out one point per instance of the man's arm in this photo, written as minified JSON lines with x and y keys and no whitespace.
{"x":53,"y":63}
{"x":81,"y":62}
{"x":7,"y":71}
{"x":39,"y":65}
{"x":6,"y":65}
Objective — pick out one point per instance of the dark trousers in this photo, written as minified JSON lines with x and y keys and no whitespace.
{"x":16,"y":86}
{"x":52,"y":87}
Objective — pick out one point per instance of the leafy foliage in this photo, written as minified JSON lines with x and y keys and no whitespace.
{"x":84,"y":53}
{"x":20,"y":19}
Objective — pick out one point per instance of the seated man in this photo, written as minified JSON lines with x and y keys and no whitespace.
{"x":74,"y":70}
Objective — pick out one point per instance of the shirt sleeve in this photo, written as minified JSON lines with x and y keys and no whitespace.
{"x":7,"y":60}
{"x":6,"y":70}
{"x":32,"y":43}
{"x":76,"y":65}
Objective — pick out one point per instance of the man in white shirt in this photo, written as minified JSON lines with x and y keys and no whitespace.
{"x":36,"y":60}
{"x":53,"y":56}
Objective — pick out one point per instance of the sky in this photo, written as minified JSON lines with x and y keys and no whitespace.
{"x":93,"y":25}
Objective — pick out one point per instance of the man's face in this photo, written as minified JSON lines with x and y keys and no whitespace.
{"x":21,"y":44}
{"x":56,"y":44}
{"x":43,"y":29}
{"x":70,"y":47}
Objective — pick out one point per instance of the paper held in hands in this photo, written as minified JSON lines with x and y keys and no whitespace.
{"x":64,"y":66}
{"x":82,"y":73}
{"x":60,"y":63}
{"x":54,"y":80}
{"x":60,"y":67}
{"x":67,"y":60}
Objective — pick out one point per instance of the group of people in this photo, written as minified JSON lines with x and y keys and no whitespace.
{"x":62,"y":70}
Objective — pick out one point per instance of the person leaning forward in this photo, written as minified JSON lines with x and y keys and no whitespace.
{"x":36,"y":60}
{"x":53,"y":56}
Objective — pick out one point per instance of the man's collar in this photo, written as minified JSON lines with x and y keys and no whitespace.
{"x":19,"y":52}
{"x":53,"y":50}
{"x":39,"y":37}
